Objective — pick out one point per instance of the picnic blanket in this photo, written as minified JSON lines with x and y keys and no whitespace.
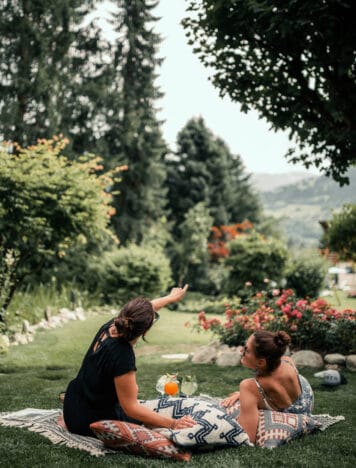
{"x":44,"y":422}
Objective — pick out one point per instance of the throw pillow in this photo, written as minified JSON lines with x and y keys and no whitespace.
{"x":138,"y":440}
{"x":276,"y":427}
{"x":214,"y":428}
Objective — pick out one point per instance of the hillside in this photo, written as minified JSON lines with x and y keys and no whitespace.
{"x":300,"y":206}
{"x":267,"y":182}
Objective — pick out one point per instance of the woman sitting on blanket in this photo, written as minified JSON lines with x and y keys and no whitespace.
{"x":277,"y":385}
{"x":105,"y":387}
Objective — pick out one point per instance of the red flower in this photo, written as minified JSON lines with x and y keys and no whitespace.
{"x":297,"y":314}
{"x":201,"y":316}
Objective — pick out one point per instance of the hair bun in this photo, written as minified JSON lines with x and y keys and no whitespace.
{"x":123,"y":323}
{"x":282,"y":339}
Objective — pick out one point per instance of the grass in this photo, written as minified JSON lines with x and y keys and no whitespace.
{"x":340,"y":300}
{"x":33,"y":375}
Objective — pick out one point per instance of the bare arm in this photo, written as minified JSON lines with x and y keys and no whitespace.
{"x":175,"y":295}
{"x":231,"y":399}
{"x":248,"y":417}
{"x":126,"y":389}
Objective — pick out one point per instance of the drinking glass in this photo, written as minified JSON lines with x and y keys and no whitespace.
{"x":171,"y":387}
{"x":167,"y":384}
{"x":189,"y":385}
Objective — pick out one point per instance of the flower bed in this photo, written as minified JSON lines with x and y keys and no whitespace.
{"x":312,"y":324}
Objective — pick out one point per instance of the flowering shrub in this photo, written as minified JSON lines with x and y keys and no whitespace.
{"x":312,"y":324}
{"x":220,"y":236}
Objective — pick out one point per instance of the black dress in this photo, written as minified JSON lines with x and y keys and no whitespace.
{"x":91,"y":396}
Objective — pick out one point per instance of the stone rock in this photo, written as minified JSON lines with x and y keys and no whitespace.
{"x":26,"y":327}
{"x":79,"y":312}
{"x":307,"y":359}
{"x":216,"y":344}
{"x":231,"y":357}
{"x":332,"y":367}
{"x":176,"y":357}
{"x":64,"y":311}
{"x":42,"y":325}
{"x":223,"y":348}
{"x":205,"y":355}
{"x":56,"y":321}
{"x":19,"y":338}
{"x":4,"y":344}
{"x":67,"y":314}
{"x":351,"y":362}
{"x":335,"y":358}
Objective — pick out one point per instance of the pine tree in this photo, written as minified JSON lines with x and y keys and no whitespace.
{"x":135,"y":136}
{"x":204,"y":170}
{"x":36,"y":67}
{"x":88,"y":94}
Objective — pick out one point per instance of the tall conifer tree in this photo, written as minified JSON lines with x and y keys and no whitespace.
{"x":42,"y":55}
{"x":135,"y":135}
{"x":204,"y":170}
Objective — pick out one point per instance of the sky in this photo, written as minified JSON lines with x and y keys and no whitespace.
{"x":188,"y":93}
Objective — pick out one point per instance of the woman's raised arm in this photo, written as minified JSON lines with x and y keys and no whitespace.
{"x":175,"y":295}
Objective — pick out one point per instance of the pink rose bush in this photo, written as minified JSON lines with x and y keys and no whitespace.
{"x":312,"y":324}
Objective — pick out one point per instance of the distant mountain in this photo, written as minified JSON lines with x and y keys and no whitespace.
{"x":266,"y":182}
{"x":300,"y":206}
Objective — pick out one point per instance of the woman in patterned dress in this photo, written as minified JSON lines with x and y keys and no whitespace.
{"x":277,"y":385}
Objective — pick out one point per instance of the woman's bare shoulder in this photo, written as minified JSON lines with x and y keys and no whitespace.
{"x":289,"y":360}
{"x":249,"y":385}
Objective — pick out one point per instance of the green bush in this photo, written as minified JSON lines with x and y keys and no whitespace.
{"x":48,"y":203}
{"x":306,"y":275}
{"x":30,"y":303}
{"x":254,"y":259}
{"x":196,"y":302}
{"x":74,"y":268}
{"x":129,"y":272}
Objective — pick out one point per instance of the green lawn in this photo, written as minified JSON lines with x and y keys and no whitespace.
{"x":340,"y":300}
{"x":33,"y":375}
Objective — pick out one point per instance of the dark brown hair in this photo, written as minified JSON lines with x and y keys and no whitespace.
{"x":135,"y":319}
{"x":271,"y":346}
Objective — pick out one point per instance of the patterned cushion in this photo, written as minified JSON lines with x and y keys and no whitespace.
{"x":214,"y":427}
{"x":137,"y":440}
{"x":276,"y":428}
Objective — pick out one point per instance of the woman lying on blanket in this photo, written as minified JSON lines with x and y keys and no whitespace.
{"x":105,"y":387}
{"x":277,"y":385}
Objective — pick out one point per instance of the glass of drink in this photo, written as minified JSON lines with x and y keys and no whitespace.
{"x":171,"y":387}
{"x":189,"y":385}
{"x":167,"y":384}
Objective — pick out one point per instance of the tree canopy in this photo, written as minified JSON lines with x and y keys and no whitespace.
{"x":47,"y":203}
{"x":340,"y":232}
{"x":51,"y":65}
{"x":203,"y":169}
{"x":139,"y":142}
{"x":294,"y":62}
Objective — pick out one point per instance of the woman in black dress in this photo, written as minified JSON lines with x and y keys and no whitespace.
{"x":105,"y":387}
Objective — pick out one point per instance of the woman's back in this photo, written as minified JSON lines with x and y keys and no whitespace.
{"x":285,"y":390}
